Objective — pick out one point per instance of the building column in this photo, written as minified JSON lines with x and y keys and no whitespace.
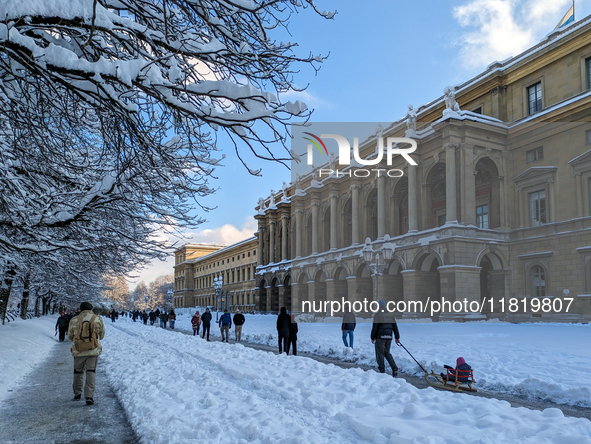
{"x":469,"y":185}
{"x":315,"y":209}
{"x":523,"y":208}
{"x":579,"y":193}
{"x":299,"y":216}
{"x":271,"y":241}
{"x":381,"y":206}
{"x":284,"y":219}
{"x":260,"y":250}
{"x":413,"y":206}
{"x":355,"y":214}
{"x":550,"y":202}
{"x":451,"y":214}
{"x":333,"y":221}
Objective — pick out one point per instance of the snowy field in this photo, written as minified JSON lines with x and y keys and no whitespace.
{"x":181,"y":389}
{"x":547,"y":361}
{"x":23,"y":344}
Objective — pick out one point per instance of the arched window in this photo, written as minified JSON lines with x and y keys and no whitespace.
{"x":538,"y":281}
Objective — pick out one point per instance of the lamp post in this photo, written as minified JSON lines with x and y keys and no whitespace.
{"x":217,"y":285}
{"x":169,"y":298}
{"x":377,"y":268}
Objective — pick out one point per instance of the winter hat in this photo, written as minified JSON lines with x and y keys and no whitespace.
{"x":460,"y":361}
{"x":85,"y":306}
{"x":197,"y":312}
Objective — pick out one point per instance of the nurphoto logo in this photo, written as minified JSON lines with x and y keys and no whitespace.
{"x":393,"y":148}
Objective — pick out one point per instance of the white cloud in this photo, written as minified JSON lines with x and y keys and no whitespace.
{"x":499,"y":29}
{"x":226,"y":234}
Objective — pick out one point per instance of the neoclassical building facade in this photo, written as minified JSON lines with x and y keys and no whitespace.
{"x":498,"y":207}
{"x":198,"y":265}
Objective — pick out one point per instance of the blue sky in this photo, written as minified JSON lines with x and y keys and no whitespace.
{"x":384,"y":55}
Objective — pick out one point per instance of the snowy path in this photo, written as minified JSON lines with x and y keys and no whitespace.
{"x":41,"y":410}
{"x":538,"y":361}
{"x":183,"y":389}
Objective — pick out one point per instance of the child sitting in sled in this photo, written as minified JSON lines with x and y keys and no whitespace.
{"x":462,"y":369}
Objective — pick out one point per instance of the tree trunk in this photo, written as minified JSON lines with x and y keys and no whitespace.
{"x":25,"y":299}
{"x":38,"y":306}
{"x":5,"y":291}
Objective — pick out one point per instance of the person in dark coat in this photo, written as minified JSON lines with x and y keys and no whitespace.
{"x":347,"y":327}
{"x":381,"y":335}
{"x":238,"y":323}
{"x":163,"y":319}
{"x":283,"y":321}
{"x":293,"y":336}
{"x":145,"y":317}
{"x":461,"y":364}
{"x":113,"y":315}
{"x":62,"y":325}
{"x":152,"y":316}
{"x":206,"y":321}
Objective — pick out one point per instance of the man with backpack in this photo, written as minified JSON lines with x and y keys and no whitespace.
{"x":85,"y":331}
{"x":225,"y":326}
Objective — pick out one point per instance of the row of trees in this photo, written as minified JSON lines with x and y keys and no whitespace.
{"x":109,"y":117}
{"x":144,"y":297}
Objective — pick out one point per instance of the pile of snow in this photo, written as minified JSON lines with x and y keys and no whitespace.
{"x":179,"y":388}
{"x":23,"y":345}
{"x":546,"y":361}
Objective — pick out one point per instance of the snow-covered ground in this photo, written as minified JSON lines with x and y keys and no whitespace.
{"x":23,"y":344}
{"x":181,"y":389}
{"x":547,"y":361}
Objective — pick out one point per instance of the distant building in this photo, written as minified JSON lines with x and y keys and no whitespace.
{"x":197,"y":265}
{"x":499,"y":206}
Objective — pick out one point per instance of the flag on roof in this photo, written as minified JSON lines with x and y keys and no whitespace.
{"x":568,"y":18}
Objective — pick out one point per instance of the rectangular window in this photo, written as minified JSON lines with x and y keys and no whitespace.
{"x":248,"y":273}
{"x":249,"y":254}
{"x":535,"y":154}
{"x":482,"y":216}
{"x":588,"y":67}
{"x":232,"y":276}
{"x":534,"y":94}
{"x":232,"y":258}
{"x":441,"y":220}
{"x":242,"y":255}
{"x":537,"y":208}
{"x":243,"y":274}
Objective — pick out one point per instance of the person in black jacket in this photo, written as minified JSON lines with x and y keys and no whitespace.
{"x":381,"y":335}
{"x":62,"y":324}
{"x":347,"y":327}
{"x":293,"y":336}
{"x":206,"y":321}
{"x":238,"y":323}
{"x":283,"y":321}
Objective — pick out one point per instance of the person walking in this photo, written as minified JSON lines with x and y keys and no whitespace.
{"x":225,"y":324}
{"x":152,"y":317}
{"x":85,"y":331}
{"x":381,"y":335}
{"x":145,"y":317}
{"x":163,"y":319}
{"x":196,"y":323}
{"x":62,"y":325}
{"x":293,"y":336}
{"x":113,"y":315}
{"x":238,"y":323}
{"x":206,"y":321}
{"x":347,"y":327}
{"x":172,"y":319}
{"x":283,"y":321}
